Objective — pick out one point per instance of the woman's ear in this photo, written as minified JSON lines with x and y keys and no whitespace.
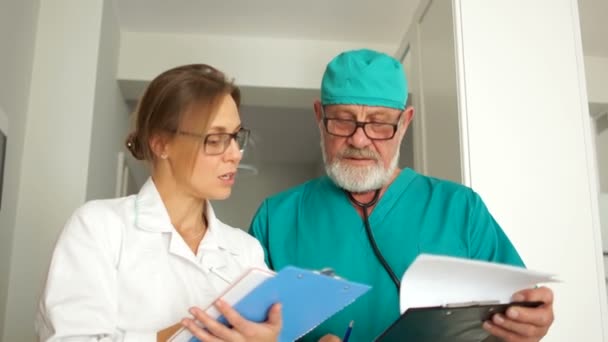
{"x":159,"y":145}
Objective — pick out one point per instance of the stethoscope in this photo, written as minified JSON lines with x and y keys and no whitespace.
{"x":370,"y":236}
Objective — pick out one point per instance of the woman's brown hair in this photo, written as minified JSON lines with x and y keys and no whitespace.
{"x":170,"y":95}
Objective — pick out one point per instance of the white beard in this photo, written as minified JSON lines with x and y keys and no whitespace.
{"x":359,"y":178}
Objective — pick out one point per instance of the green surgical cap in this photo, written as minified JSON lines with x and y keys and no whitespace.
{"x":364,"y":77}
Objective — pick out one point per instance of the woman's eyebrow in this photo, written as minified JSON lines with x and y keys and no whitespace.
{"x":223,"y":129}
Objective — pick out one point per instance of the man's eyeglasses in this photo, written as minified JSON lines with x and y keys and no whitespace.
{"x":373,"y":130}
{"x":217,"y":143}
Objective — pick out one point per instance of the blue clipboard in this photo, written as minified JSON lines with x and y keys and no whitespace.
{"x":308,"y":299}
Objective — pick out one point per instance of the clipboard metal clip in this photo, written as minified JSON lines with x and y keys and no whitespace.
{"x":328,"y":271}
{"x":471,"y":303}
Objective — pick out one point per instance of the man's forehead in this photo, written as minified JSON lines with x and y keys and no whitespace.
{"x":357,"y":109}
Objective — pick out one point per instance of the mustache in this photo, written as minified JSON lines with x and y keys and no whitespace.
{"x":358,"y":153}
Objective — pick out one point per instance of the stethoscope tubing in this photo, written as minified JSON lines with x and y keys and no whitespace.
{"x":370,"y":236}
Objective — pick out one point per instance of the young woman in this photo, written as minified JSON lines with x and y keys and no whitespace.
{"x":132,"y":268}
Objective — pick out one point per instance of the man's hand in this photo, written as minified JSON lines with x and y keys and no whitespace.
{"x":524,"y":324}
{"x":330,"y":338}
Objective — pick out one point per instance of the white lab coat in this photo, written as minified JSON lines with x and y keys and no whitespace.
{"x":121,"y":272}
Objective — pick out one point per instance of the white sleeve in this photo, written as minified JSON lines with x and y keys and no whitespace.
{"x":79,"y":302}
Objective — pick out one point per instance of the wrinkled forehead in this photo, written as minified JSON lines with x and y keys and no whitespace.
{"x":362,"y":112}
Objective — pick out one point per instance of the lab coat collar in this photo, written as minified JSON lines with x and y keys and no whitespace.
{"x":151,"y":215}
{"x":150,"y":211}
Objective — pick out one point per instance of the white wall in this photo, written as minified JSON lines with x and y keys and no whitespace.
{"x":111,"y":113}
{"x":529,"y":145}
{"x":262,"y":62}
{"x":601,"y":142}
{"x":437,"y":104}
{"x":427,"y":51}
{"x":249,"y":191}
{"x":18,"y":21}
{"x":604,"y":221}
{"x":414,"y":138}
{"x":55,"y":157}
{"x":596,"y":70}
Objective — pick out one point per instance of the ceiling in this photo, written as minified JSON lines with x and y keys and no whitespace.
{"x":382,"y":21}
{"x":594,"y":27}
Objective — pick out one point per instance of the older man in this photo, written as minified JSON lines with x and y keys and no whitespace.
{"x":368,"y":219}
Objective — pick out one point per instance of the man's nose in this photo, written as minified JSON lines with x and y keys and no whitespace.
{"x":359,"y":139}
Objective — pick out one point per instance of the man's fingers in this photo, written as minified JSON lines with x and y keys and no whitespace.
{"x":541,"y":317}
{"x":499,"y":332}
{"x":541,"y":294}
{"x":517,"y":328}
{"x":330,"y":338}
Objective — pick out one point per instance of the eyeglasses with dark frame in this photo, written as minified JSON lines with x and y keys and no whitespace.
{"x":373,"y":130}
{"x":217,"y":143}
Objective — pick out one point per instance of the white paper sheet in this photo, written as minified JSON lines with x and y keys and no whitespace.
{"x":434,"y":280}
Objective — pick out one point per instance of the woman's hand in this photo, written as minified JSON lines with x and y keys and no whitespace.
{"x":242,"y":329}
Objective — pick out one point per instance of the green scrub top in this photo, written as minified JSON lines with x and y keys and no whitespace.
{"x":314,"y":226}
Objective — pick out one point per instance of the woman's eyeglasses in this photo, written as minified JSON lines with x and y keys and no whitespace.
{"x":217,"y":143}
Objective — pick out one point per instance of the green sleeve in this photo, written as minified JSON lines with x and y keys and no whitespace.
{"x":259,"y":230}
{"x":487,"y":241}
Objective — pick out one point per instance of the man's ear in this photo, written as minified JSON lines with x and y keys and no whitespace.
{"x":318,"y":108}
{"x":405,"y":121}
{"x":407,"y":117}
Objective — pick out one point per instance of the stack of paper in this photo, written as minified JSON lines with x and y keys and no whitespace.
{"x":446,"y":299}
{"x":434,"y":280}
